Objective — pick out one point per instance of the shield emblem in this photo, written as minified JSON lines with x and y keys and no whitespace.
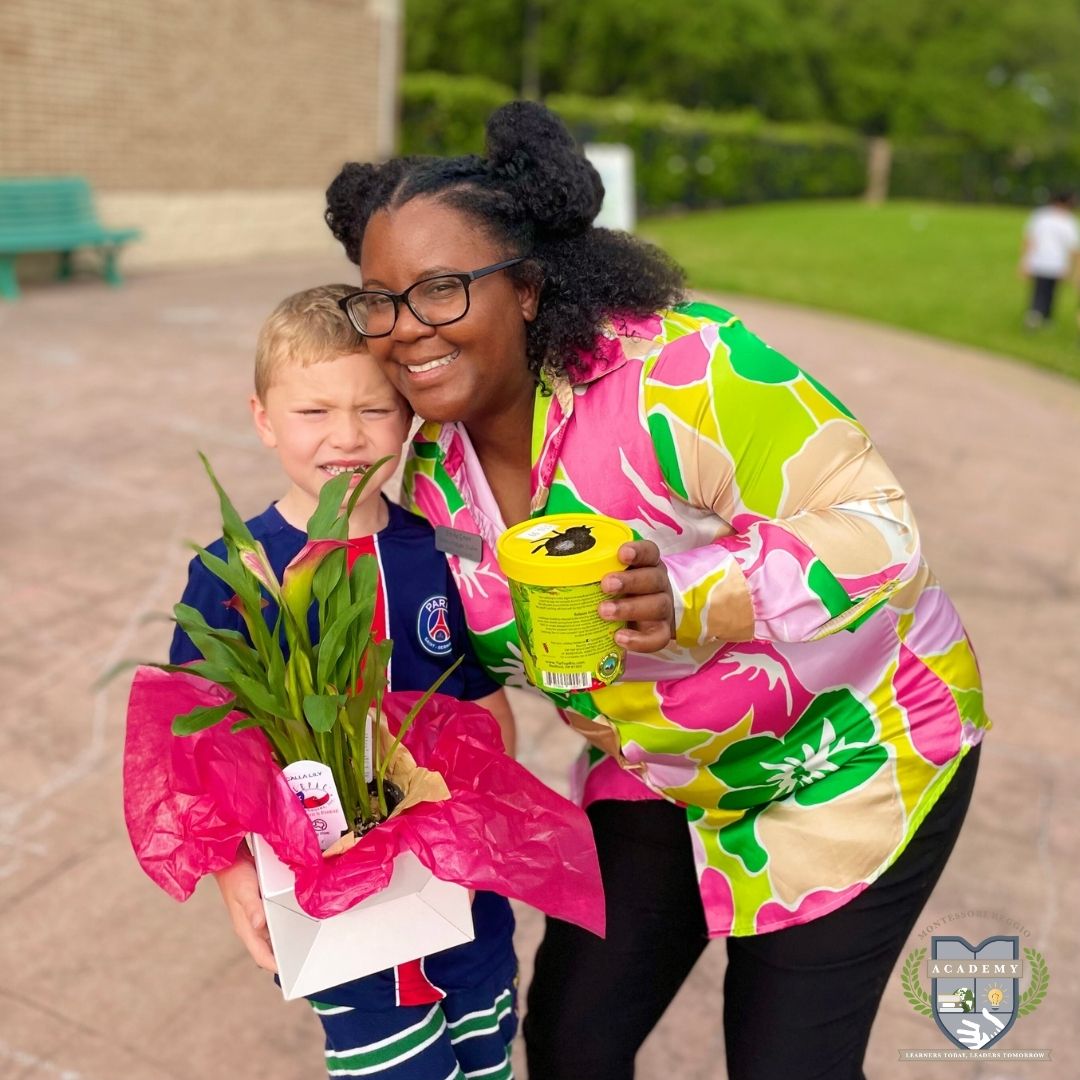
{"x":975,"y":1004}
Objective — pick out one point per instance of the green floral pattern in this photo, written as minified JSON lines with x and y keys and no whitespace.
{"x":812,"y":762}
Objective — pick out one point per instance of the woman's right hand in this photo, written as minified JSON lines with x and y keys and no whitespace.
{"x":645,"y":601}
{"x":239,"y":885}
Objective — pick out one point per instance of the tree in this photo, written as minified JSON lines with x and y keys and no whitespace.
{"x":994,"y":73}
{"x":990,"y":72}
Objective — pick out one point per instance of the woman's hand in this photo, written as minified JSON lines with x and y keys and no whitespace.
{"x":239,"y":885}
{"x":646,"y":603}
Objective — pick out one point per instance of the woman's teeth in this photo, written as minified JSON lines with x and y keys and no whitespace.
{"x":431,"y":365}
{"x":337,"y":470}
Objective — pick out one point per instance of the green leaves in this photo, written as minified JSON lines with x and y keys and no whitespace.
{"x":917,"y":997}
{"x":413,"y":713}
{"x":348,"y":635}
{"x":312,"y":698}
{"x":1040,"y":981}
{"x":247,"y":597}
{"x":357,"y":491}
{"x":225,"y":649}
{"x":321,"y":710}
{"x":331,"y":519}
{"x":260,"y":697}
{"x":203,"y":716}
{"x":324,"y":582}
{"x":233,"y":525}
{"x":325,"y":523}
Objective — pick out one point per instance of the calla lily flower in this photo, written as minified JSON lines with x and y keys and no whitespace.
{"x":237,"y":604}
{"x":253,"y":556}
{"x":296,"y":583}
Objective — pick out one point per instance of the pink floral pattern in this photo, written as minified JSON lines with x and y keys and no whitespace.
{"x":820,"y":690}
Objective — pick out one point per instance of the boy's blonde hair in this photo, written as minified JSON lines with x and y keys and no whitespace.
{"x":305,"y":328}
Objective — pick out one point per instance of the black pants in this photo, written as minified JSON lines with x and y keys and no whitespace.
{"x":1042,"y":296}
{"x":798,"y":1003}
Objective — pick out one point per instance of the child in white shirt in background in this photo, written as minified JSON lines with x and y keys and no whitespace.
{"x":1051,"y":254}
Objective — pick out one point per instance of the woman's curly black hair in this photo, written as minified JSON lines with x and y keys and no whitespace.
{"x":536,"y":195}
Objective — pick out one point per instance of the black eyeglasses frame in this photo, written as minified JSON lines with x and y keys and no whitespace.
{"x":400,"y":298}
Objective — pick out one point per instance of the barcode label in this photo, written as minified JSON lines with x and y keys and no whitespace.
{"x":573,"y":680}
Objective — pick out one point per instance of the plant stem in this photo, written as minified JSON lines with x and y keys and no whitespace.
{"x":356,"y":770}
{"x":278,"y":741}
{"x":378,"y":764}
{"x":305,"y":739}
{"x":412,"y":714}
{"x":337,"y":765}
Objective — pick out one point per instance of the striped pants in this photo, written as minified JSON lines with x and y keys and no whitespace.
{"x":467,"y":1034}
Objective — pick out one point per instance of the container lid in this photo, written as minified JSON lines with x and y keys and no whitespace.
{"x":562,"y":549}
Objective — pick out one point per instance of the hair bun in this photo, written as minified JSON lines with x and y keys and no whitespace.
{"x":530,"y":152}
{"x":354,"y":193}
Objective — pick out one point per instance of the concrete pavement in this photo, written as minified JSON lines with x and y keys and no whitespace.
{"x":105,"y":397}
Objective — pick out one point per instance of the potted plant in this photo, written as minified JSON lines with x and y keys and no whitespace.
{"x":317,"y":698}
{"x":199,"y":775}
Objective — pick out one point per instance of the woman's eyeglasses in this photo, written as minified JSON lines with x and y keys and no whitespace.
{"x":435,"y":301}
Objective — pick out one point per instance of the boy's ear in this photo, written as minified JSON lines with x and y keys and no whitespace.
{"x":261,"y":419}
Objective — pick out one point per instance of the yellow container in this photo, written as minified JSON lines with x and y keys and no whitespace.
{"x":554,"y":565}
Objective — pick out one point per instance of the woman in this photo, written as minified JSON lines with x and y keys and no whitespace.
{"x":787,"y":760}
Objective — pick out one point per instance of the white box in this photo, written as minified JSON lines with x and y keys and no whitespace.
{"x":414,"y":916}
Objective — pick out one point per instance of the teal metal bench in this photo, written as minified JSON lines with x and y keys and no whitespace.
{"x":53,"y":214}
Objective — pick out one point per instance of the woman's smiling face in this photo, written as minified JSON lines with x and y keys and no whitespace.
{"x":469,"y":370}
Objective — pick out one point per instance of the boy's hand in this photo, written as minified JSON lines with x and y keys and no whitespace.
{"x":239,"y":885}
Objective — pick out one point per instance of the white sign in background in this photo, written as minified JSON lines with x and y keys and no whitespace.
{"x":615,"y":164}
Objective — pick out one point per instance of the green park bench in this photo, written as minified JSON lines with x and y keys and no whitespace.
{"x":53,"y":214}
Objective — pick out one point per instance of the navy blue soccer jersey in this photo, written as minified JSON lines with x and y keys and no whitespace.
{"x":421,"y":611}
{"x":418,"y":600}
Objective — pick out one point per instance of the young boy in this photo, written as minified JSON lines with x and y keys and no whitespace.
{"x":1051,"y":254}
{"x":321,"y":402}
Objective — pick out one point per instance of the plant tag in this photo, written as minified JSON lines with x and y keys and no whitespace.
{"x":458,"y":542}
{"x":369,"y":755}
{"x":313,"y":784}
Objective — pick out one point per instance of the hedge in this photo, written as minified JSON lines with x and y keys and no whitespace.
{"x":445,"y":114}
{"x":696,"y":158}
{"x":948,"y":172}
{"x":683,"y":157}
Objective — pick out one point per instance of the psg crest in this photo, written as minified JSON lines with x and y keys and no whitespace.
{"x":433,"y":626}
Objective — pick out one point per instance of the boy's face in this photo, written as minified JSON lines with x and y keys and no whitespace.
{"x":328,"y":417}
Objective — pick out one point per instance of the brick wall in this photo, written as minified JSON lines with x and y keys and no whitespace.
{"x":178,"y":110}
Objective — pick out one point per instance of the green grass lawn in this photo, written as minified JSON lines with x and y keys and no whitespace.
{"x":944,"y":270}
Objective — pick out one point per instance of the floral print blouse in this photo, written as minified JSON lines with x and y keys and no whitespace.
{"x":820,"y":690}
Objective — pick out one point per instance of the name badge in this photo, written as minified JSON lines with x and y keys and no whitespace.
{"x":466,"y":545}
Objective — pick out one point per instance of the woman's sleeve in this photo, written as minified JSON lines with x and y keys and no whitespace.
{"x":208,"y":594}
{"x":820,"y":531}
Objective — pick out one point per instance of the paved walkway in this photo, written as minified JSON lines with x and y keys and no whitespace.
{"x":106,"y":395}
